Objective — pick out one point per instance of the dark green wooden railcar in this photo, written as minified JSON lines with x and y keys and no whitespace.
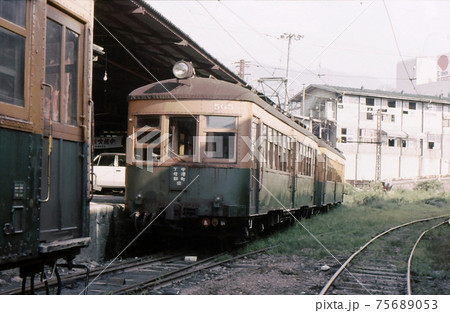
{"x":45,"y":77}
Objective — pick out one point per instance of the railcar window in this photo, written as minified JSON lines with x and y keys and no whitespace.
{"x":14,"y":11}
{"x":220,"y":145}
{"x":61,"y":71}
{"x":221,"y":137}
{"x":306,"y":161}
{"x":149,"y":121}
{"x":12,"y":67}
{"x":227,"y":122}
{"x":70,"y":97}
{"x":53,"y":69}
{"x":148,"y":138}
{"x":182,"y":131}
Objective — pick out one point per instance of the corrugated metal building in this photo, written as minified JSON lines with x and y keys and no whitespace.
{"x":384,"y":135}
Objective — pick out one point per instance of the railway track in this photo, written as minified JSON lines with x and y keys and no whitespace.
{"x":73,"y":279}
{"x":382,"y":267}
{"x":134,"y":276}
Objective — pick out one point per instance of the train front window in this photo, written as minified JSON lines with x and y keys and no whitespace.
{"x":220,"y":145}
{"x":148,"y":138}
{"x":221,"y":137}
{"x":182,"y":132}
{"x":226,"y":122}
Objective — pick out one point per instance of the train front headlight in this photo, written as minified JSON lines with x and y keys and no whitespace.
{"x":138,"y":198}
{"x":218,"y":201}
{"x":183,"y":69}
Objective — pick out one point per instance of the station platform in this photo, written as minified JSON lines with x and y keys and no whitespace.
{"x":104,"y":210}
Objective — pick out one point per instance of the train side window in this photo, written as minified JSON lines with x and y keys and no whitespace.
{"x":14,"y":11}
{"x":182,"y":133}
{"x":13,"y":35}
{"x":12,"y":67}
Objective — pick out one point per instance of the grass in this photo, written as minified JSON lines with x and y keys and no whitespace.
{"x":364,"y":214}
{"x":431,"y":263}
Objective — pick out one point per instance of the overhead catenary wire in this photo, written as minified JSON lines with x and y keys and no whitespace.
{"x":399,"y":51}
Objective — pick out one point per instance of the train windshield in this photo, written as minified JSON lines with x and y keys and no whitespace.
{"x":182,"y":132}
{"x":174,"y":138}
{"x":221,"y":137}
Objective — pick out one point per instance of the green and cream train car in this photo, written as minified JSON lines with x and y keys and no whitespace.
{"x":212,"y":158}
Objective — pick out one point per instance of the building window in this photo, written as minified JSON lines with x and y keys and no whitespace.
{"x":370,"y":101}
{"x":412,"y":105}
{"x":391,"y":104}
{"x":369,"y":116}
{"x":391,"y":142}
{"x":402,"y":143}
{"x":430,"y":145}
{"x":343,"y":135}
{"x":446,"y":123}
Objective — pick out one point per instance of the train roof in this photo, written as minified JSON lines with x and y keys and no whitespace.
{"x":212,"y":89}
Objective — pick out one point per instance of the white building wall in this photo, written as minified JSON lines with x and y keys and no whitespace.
{"x":421,"y":141}
{"x":409,"y":167}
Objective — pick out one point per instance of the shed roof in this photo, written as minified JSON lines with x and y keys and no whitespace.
{"x":152,"y":39}
{"x":374,"y":93}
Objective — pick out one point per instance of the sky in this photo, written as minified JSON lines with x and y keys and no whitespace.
{"x":344,"y":43}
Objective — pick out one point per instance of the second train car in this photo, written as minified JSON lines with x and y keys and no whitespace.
{"x":210,"y":157}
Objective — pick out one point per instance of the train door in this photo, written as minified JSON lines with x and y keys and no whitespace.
{"x":65,"y":148}
{"x":293,"y":155}
{"x":320,"y":178}
{"x":256,"y":165}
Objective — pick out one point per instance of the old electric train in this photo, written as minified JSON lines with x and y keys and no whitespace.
{"x":212,"y":158}
{"x":45,"y":77}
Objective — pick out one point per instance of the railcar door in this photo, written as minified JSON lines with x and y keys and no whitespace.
{"x":65,"y":110}
{"x":255,"y":179}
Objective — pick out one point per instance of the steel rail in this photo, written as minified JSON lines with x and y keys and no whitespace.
{"x":178,"y":273}
{"x":408,"y":273}
{"x":344,"y":265}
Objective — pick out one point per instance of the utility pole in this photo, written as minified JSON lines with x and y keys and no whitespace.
{"x":378,"y":150}
{"x":289,"y":37}
{"x":242,"y":65}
